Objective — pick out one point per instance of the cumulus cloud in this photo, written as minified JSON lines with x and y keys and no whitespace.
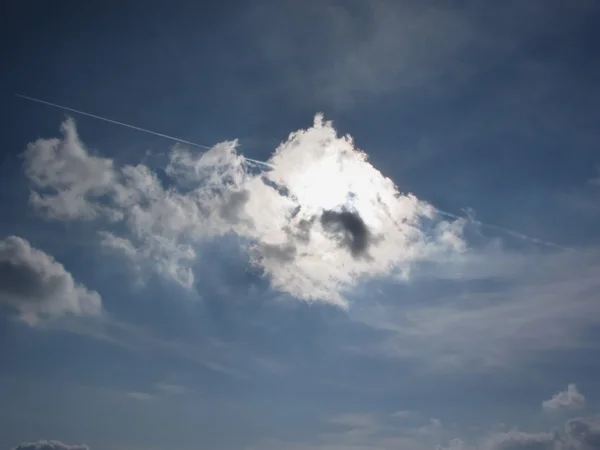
{"x":50,"y":445}
{"x":565,"y":400}
{"x":319,"y":222}
{"x":66,"y":175}
{"x":578,"y":434}
{"x":518,"y":440}
{"x":38,"y":287}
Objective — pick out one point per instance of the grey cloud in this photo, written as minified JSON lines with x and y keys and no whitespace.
{"x":234,"y":204}
{"x":584,"y":432}
{"x":283,"y":253}
{"x":37,"y":286}
{"x":50,"y":445}
{"x":565,"y":400}
{"x":349,"y":228}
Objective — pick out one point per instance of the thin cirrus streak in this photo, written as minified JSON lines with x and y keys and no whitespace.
{"x":126,"y":125}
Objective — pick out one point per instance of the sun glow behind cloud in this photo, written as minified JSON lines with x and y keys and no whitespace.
{"x":319,"y":222}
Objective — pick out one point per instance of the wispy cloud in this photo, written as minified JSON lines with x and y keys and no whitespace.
{"x":532,"y":302}
{"x":50,"y":445}
{"x":142,"y":396}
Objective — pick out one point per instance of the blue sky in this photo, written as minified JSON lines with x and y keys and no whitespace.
{"x":429,"y":283}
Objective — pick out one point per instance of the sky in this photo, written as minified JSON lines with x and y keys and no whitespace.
{"x":415,"y":265}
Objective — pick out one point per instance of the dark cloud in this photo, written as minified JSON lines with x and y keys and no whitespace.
{"x":37,"y":286}
{"x":584,"y":432}
{"x":50,"y":445}
{"x":349,"y":228}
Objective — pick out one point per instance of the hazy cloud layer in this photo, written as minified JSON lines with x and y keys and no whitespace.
{"x":50,"y":445}
{"x":533,"y":301}
{"x":317,"y":223}
{"x":566,"y":400}
{"x":38,"y":287}
{"x":369,"y":432}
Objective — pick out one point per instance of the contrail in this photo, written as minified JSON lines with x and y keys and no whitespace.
{"x":512,"y":233}
{"x":133,"y":127}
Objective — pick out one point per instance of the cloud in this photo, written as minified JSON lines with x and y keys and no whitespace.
{"x":454,"y":444}
{"x":577,"y":434}
{"x":170,"y":389}
{"x":360,"y":50}
{"x":350,"y":228}
{"x":566,"y":400}
{"x":39,"y":287}
{"x":503,"y":307}
{"x":158,"y":389}
{"x":317,"y":224}
{"x":584,"y":432}
{"x":50,"y":445}
{"x":518,"y":440}
{"x":69,"y":175}
{"x":142,"y":396}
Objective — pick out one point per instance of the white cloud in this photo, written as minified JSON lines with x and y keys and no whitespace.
{"x":142,"y":396}
{"x":38,"y":287}
{"x":49,"y":445}
{"x":518,"y":440}
{"x":565,"y":400}
{"x":578,"y":434}
{"x":66,"y":174}
{"x":158,"y":390}
{"x":317,"y":224}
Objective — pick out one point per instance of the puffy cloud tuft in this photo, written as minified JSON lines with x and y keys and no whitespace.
{"x":570,"y":399}
{"x":38,"y":287}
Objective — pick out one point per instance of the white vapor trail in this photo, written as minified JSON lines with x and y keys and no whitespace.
{"x":126,"y":125}
{"x":507,"y":231}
